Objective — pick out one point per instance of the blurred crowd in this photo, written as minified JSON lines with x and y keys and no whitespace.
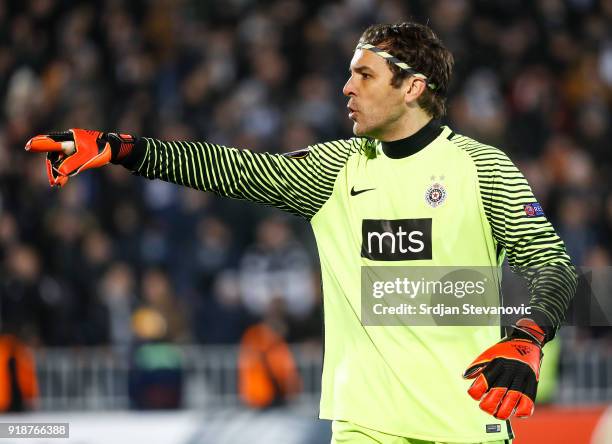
{"x":89,"y":264}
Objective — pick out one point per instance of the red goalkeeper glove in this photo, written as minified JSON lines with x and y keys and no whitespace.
{"x":70,"y":152}
{"x":507,"y":373}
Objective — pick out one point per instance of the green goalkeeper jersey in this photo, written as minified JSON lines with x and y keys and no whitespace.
{"x":460,"y":203}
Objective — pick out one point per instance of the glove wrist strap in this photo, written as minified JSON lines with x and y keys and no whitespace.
{"x":528,"y":329}
{"x":121,"y":146}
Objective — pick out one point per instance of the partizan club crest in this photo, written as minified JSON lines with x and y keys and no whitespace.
{"x":436,"y":193}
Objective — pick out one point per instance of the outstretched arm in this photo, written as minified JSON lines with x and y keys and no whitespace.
{"x":298,"y":182}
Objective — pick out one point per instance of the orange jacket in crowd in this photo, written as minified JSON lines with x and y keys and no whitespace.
{"x":267,"y":374}
{"x":18,"y":384}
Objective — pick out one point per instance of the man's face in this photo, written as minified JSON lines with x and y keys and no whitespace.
{"x":375,"y":107}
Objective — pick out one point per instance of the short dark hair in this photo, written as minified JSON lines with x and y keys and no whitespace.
{"x":419,"y":47}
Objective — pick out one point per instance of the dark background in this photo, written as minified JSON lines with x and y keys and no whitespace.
{"x":532,"y":77}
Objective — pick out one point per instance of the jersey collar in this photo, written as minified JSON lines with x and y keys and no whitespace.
{"x":399,"y":149}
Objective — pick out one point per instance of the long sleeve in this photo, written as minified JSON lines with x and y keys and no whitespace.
{"x":298,"y":182}
{"x":522,"y":231}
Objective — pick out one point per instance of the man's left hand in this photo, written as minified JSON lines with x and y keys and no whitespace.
{"x":507,"y":373}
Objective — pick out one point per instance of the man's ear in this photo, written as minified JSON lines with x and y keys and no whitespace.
{"x":414,"y":87}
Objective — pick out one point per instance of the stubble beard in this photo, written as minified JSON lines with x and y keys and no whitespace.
{"x":362,"y":130}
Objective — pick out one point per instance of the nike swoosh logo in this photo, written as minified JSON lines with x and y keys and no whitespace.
{"x":355,"y":193}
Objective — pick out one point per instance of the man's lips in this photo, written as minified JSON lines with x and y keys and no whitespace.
{"x":352,"y":111}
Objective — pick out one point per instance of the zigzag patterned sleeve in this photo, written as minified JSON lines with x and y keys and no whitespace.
{"x":298,"y":182}
{"x":531,"y":244}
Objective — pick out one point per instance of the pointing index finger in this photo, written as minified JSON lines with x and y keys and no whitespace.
{"x":45,"y":144}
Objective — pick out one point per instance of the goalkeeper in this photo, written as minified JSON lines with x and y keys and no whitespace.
{"x":443,"y":198}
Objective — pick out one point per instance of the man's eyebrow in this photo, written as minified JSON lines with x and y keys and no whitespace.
{"x":361,"y":69}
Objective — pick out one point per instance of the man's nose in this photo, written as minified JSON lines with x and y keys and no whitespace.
{"x":349,"y":89}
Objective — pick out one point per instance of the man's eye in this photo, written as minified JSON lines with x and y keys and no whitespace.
{"x":365,"y":76}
